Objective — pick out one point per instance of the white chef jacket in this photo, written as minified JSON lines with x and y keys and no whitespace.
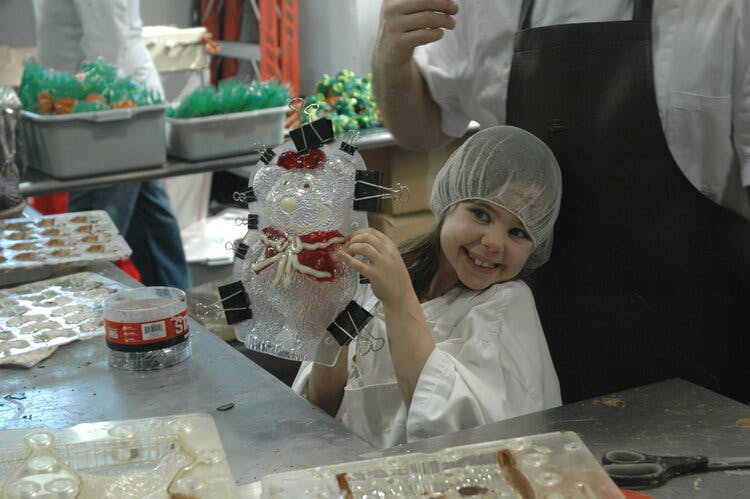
{"x":73,"y":31}
{"x":701,"y":59}
{"x":490,"y":362}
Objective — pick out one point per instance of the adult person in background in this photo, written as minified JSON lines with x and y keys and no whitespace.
{"x":69,"y":32}
{"x":646,"y":106}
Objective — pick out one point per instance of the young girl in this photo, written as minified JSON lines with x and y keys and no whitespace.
{"x":455,"y":340}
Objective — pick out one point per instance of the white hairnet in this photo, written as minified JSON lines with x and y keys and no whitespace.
{"x":510,"y":168}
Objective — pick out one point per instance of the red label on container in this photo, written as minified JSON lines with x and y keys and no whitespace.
{"x":145,"y":333}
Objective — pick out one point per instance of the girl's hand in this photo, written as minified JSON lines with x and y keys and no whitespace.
{"x":409,"y":338}
{"x":384,"y":266}
{"x":406,"y":24}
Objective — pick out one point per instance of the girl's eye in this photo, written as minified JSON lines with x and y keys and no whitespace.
{"x":519,"y":233}
{"x":481,"y":215}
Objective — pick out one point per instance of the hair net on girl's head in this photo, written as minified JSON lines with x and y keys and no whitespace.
{"x":511,"y":168}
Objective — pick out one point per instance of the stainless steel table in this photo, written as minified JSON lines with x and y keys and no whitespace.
{"x":672,"y":417}
{"x":35,"y":182}
{"x":270,"y":429}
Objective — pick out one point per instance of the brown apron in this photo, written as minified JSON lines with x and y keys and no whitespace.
{"x":648,"y":279}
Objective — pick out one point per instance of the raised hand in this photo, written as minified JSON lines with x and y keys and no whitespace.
{"x":406,"y":24}
{"x":383,"y":264}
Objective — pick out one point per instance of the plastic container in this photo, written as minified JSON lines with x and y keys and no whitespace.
{"x":174,"y":456}
{"x":147,"y":328}
{"x":85,"y":144}
{"x":222,"y":135}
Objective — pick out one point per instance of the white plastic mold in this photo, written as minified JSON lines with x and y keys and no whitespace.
{"x":167,"y":457}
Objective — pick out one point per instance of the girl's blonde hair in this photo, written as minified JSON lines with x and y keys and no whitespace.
{"x":422,"y":256}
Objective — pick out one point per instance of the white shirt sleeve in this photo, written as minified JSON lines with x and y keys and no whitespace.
{"x":74,"y":31}
{"x":442,"y":65}
{"x":299,"y":384}
{"x":495,"y":366}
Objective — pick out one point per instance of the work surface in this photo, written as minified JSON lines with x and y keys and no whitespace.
{"x":270,"y":428}
{"x":671,"y":417}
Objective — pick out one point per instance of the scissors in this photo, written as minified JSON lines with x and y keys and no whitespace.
{"x":636,"y":470}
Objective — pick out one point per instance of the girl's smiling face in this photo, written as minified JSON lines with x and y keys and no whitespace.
{"x":482,"y":244}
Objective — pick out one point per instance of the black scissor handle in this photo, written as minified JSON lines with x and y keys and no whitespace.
{"x":637,"y":475}
{"x":638,"y":470}
{"x":627,"y":457}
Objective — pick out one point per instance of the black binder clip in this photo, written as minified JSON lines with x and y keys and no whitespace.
{"x":367,"y":187}
{"x":236,"y":302}
{"x":252,"y":221}
{"x":348,"y":323}
{"x":266,"y":154}
{"x":238,"y":248}
{"x":314,"y":133}
{"x":368,"y":191}
{"x":349,"y":144}
{"x":241,"y":251}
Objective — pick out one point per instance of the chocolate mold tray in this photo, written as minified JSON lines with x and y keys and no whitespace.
{"x":57,"y":241}
{"x":45,"y":314}
{"x":552,"y":465}
{"x":165,"y":457}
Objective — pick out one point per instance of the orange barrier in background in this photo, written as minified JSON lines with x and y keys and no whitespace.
{"x":268,"y":34}
{"x":233,"y":10}
{"x":279,"y":42}
{"x":290,"y":44}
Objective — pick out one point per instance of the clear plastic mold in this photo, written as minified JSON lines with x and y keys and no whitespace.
{"x":551,"y":465}
{"x":29,"y":248}
{"x":168,"y":457}
{"x":38,"y":317}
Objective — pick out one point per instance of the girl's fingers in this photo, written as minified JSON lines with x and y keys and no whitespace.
{"x":412,"y":6}
{"x":357,"y":265}
{"x":363,"y":249}
{"x":421,"y":20}
{"x":368,"y":236}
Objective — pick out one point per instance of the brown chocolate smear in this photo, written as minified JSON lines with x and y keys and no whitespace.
{"x":513,"y":475}
{"x":344,"y":485}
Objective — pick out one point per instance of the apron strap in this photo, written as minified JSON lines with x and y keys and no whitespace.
{"x":525,"y":19}
{"x":641,"y":12}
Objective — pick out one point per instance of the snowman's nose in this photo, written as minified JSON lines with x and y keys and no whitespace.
{"x":288,"y":204}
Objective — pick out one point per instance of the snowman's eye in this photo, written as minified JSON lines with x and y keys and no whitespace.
{"x":286,"y":182}
{"x":306,"y":185}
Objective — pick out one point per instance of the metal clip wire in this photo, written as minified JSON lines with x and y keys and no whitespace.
{"x":265,"y":153}
{"x":399,"y":193}
{"x":349,"y":144}
{"x":368,"y":343}
{"x":244,"y":196}
{"x":205,"y":311}
{"x":352,"y":137}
